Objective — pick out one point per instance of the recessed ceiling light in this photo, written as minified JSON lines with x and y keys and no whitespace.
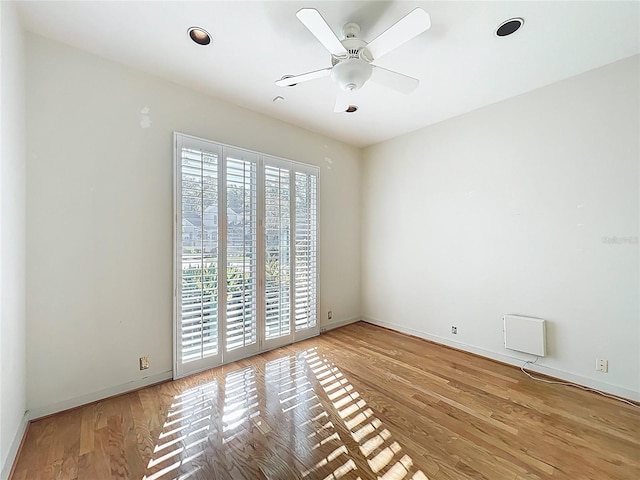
{"x":199,"y":35}
{"x":509,"y":26}
{"x":351,"y":109}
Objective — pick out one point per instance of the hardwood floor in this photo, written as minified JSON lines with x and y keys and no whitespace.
{"x":358,"y":402}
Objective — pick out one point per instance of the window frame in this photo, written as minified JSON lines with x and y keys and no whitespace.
{"x":263,"y":159}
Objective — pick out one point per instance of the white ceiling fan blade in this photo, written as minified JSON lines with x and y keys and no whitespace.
{"x":408,"y":27}
{"x":397,"y":81}
{"x":304,"y":77}
{"x":343,"y":101}
{"x":317,"y":25}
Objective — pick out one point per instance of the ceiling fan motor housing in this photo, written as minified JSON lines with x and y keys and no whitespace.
{"x":352,"y":72}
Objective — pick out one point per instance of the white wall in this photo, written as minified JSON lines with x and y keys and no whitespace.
{"x":99,"y":218}
{"x":504,"y":210}
{"x":12,"y":237}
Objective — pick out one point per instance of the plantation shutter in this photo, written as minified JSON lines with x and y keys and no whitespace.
{"x":306,"y":250}
{"x":199,"y":254}
{"x":277,"y":185}
{"x":246,"y":253}
{"x":241,"y":252}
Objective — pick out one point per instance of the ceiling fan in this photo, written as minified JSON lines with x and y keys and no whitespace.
{"x":352,"y":58}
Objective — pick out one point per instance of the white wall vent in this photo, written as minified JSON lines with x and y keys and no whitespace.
{"x":525,"y":334}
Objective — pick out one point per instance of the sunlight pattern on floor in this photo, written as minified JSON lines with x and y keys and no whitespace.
{"x":296,"y":418}
{"x":384,"y":455}
{"x":298,"y":399}
{"x":187,"y":426}
{"x":240,"y":402}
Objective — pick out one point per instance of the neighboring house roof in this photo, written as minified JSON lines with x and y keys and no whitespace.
{"x":210,"y":215}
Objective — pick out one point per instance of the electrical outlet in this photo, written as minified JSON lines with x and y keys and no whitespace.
{"x":602,"y":365}
{"x":329,"y":314}
{"x":454,"y":330}
{"x":144,"y":362}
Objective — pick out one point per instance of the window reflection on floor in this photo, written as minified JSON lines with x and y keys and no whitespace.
{"x":293,"y":417}
{"x":240,"y":402}
{"x":186,"y":429}
{"x":383,"y":454}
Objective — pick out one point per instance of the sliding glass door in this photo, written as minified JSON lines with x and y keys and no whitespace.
{"x":246,"y":253}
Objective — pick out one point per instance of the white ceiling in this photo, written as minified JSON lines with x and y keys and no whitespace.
{"x":462,"y":65}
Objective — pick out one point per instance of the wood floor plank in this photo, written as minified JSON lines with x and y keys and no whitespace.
{"x":360,"y":402}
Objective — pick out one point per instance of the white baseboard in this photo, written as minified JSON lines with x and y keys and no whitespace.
{"x":337,"y":324}
{"x":99,"y":395}
{"x":40,"y":412}
{"x":13,"y":449}
{"x":512,"y":360}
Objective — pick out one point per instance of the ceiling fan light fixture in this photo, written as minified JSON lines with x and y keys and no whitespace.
{"x":351,"y":74}
{"x":199,"y":35}
{"x":351,"y":109}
